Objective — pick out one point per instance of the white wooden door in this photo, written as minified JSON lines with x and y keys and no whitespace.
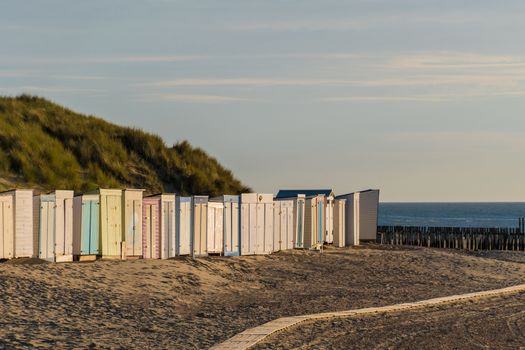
{"x":268,"y":227}
{"x":185,"y":228}
{"x":259,"y":228}
{"x":6,"y":228}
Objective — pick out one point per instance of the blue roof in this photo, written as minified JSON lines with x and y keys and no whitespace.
{"x":307,"y":193}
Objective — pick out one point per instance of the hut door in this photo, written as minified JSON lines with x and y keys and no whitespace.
{"x":114,"y":217}
{"x":89,"y":244}
{"x":288,"y":242}
{"x":60,"y":226}
{"x":227,"y":227}
{"x":94,"y":230}
{"x":211,"y":229}
{"x":6,"y":227}
{"x":47,"y":228}
{"x":259,"y":228}
{"x":148,"y":243}
{"x":219,"y":228}
{"x":199,"y":230}
{"x":68,"y":226}
{"x":320,"y":231}
{"x":246,"y":229}
{"x":277,"y":233}
{"x":136,"y":231}
{"x":300,"y":224}
{"x":168,"y":243}
{"x":268,"y":227}
{"x":234,"y":231}
{"x":184,"y":242}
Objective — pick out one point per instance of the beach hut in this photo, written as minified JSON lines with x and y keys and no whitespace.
{"x":256,"y":223}
{"x":215,"y":227}
{"x":329,"y":220}
{"x":53,"y":221}
{"x":86,"y":227}
{"x":361,"y":216}
{"x":132,"y":221}
{"x":231,"y":225}
{"x":314,"y":222}
{"x":151,"y":227}
{"x":298,"y":219}
{"x":167,"y":226}
{"x":199,"y":241}
{"x":25,"y":239}
{"x":183,"y":224}
{"x":339,"y":222}
{"x":329,"y":196}
{"x":283,"y":225}
{"x":7,"y":228}
{"x":110,"y":216}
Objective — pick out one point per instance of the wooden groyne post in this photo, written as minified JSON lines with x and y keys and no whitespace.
{"x":467,"y":238}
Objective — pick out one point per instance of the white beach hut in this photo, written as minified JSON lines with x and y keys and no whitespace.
{"x":25,"y":239}
{"x":183,"y":224}
{"x":215,"y":227}
{"x":232,"y":224}
{"x":256,"y":223}
{"x":314,"y":222}
{"x":132,"y":221}
{"x":86,"y":227}
{"x":151,"y":227}
{"x":339,"y":222}
{"x":167,"y":225}
{"x":298,"y":218}
{"x":199,"y":241}
{"x":361,"y":216}
{"x":283,"y":225}
{"x":7,"y":228}
{"x":53,"y":221}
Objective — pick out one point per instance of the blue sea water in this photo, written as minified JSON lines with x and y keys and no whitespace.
{"x":451,"y":214}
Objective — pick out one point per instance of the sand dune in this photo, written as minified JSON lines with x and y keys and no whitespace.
{"x":193,"y":304}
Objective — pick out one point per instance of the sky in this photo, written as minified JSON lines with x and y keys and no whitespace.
{"x":422,"y":99}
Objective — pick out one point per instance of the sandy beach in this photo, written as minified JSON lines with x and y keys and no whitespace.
{"x":495,"y":323}
{"x":194,"y":304}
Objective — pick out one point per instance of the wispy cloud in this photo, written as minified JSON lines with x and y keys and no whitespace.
{"x":101,"y":59}
{"x":50,"y":89}
{"x":249,"y":82}
{"x":450,"y":60}
{"x":193,"y":98}
{"x":425,"y":97}
{"x":414,"y":98}
{"x":350,"y":23}
{"x":426,"y":80}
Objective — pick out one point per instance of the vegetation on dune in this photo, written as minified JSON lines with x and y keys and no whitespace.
{"x":46,"y":146}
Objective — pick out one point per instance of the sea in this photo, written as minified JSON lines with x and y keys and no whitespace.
{"x":451,"y":214}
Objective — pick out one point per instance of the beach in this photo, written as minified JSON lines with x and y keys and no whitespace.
{"x":193,"y":304}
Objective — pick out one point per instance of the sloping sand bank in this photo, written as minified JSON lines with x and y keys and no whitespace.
{"x":187,"y":304}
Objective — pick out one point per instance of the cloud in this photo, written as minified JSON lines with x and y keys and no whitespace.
{"x":194,"y":98}
{"x":451,"y":60}
{"x":415,"y":98}
{"x":349,"y":24}
{"x":425,"y":97}
{"x":50,"y":89}
{"x":249,"y":82}
{"x":102,"y":59}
